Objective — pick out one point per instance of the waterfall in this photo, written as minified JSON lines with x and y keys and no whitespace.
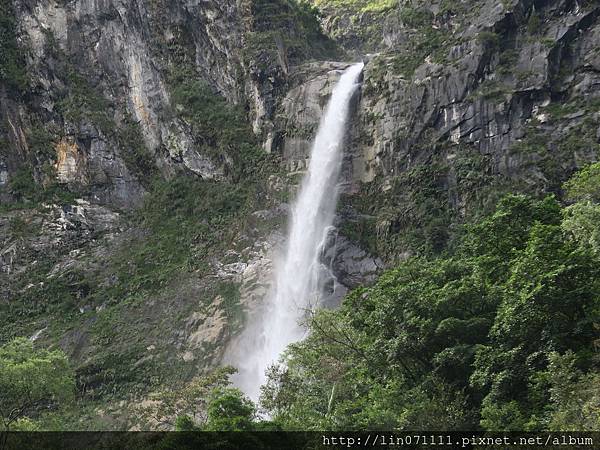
{"x":299,"y":276}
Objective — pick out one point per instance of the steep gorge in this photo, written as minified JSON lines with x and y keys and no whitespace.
{"x":149,"y":150}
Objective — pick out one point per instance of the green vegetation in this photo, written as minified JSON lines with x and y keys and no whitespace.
{"x":33,"y":183}
{"x":507,"y":61}
{"x":81,"y":101}
{"x":491,"y":90}
{"x":137,"y":157}
{"x":207,"y":403}
{"x":418,"y":212}
{"x":221,"y":128}
{"x":286,"y":31}
{"x":416,"y":17}
{"x":488,"y":325}
{"x":229,"y":410}
{"x":455,"y":8}
{"x":118,"y":305}
{"x":561,"y":110}
{"x":554,"y":159}
{"x":29,"y":194}
{"x":186,"y":407}
{"x":422,"y":212}
{"x":585,"y":185}
{"x":31,"y":380}
{"x":12,"y":62}
{"x":184,"y":224}
{"x":426,"y":41}
{"x":179,"y":212}
{"x":40,"y":296}
{"x":357,"y":5}
{"x":534,"y":23}
{"x":498,"y":334}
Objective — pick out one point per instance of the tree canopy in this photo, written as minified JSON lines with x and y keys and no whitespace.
{"x":498,"y":334}
{"x":31,"y":378}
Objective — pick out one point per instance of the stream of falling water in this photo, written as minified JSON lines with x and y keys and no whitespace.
{"x":298,"y":278}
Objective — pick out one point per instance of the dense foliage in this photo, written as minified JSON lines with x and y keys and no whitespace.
{"x":31,"y":380}
{"x":498,"y":334}
{"x":12,"y":67}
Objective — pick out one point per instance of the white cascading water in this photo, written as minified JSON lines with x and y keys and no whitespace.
{"x":298,"y":277}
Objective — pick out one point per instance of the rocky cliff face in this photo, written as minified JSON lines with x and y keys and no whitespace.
{"x":98,"y":67}
{"x":148,"y":150}
{"x":462,"y":101}
{"x":499,"y":75}
{"x":465,"y":100}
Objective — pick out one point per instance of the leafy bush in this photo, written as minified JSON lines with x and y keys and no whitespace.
{"x":229,"y":410}
{"x":31,"y":380}
{"x":585,"y":185}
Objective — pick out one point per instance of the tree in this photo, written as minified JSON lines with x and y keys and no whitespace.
{"x":585,"y":184}
{"x":575,"y":396}
{"x":30,"y":379}
{"x":581,"y":223}
{"x":230,"y":410}
{"x":547,"y":304}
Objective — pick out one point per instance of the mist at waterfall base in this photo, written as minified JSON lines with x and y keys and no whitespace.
{"x":299,"y":274}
